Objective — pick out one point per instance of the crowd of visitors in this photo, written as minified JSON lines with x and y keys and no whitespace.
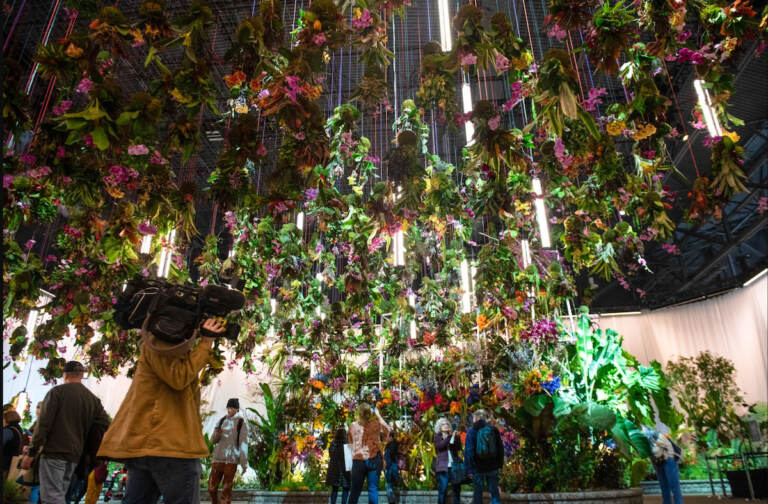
{"x":156,"y":434}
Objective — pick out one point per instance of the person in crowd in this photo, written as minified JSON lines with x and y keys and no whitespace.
{"x":231,"y":439}
{"x":96,"y":482}
{"x":483,"y":457}
{"x":157,"y":431}
{"x":68,"y":414}
{"x":34,"y":494}
{"x":448,"y":450}
{"x":337,"y":474}
{"x":365,"y":435}
{"x":13,"y":438}
{"x":664,"y":460}
{"x":392,"y":471}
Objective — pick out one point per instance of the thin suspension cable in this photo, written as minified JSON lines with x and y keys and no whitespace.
{"x":682,"y":121}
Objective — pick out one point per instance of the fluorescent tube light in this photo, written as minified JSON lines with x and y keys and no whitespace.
{"x":541,"y":214}
{"x":621,"y":314}
{"x":466,"y":97}
{"x":710,"y":115}
{"x":466,"y":288}
{"x":146,"y":244}
{"x":300,"y":221}
{"x":164,"y":265}
{"x":755,"y":278}
{"x":526,"y":253}
{"x":445,"y":25}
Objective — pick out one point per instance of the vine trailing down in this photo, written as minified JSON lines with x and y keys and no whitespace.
{"x":108,"y":176}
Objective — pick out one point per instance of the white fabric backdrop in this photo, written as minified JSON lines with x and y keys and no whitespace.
{"x":734,"y":325}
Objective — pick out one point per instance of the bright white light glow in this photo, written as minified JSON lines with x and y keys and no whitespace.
{"x":31,"y":322}
{"x":445,"y":25}
{"x":146,"y":244}
{"x":300,"y":221}
{"x":398,"y":252}
{"x":710,"y":116}
{"x":466,"y":97}
{"x":166,"y":254}
{"x":526,"y":253}
{"x":231,"y":252}
{"x":755,"y":278}
{"x":20,"y":402}
{"x":466,"y":288}
{"x":621,"y":314}
{"x":541,"y":214}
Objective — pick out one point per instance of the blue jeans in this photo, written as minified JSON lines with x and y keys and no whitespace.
{"x":361,"y":470}
{"x":491,"y":478}
{"x":335,"y":494}
{"x":177,"y":480}
{"x":443,"y":480}
{"x":669,"y":480}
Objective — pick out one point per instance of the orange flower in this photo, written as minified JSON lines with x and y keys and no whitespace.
{"x":455,"y":407}
{"x":234,"y":79}
{"x":318,"y":26}
{"x":94,"y":24}
{"x":73,"y":51}
{"x":482,"y":322}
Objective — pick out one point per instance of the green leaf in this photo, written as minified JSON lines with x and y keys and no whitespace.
{"x":126,"y":117}
{"x":627,"y":436}
{"x":535,"y":404}
{"x":598,"y":417}
{"x":99,"y":137}
{"x":562,"y":407}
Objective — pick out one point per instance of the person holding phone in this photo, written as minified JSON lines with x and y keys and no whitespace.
{"x":448,"y":451}
{"x":365,"y":435}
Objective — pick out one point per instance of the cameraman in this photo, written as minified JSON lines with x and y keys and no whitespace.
{"x":158,"y":430}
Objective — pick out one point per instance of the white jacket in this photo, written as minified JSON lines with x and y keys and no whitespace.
{"x":227,"y":449}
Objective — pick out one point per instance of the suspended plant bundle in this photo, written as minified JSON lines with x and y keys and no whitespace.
{"x":371,"y":36}
{"x":473,"y":43}
{"x":727,"y":175}
{"x":612,"y":31}
{"x":570,"y":14}
{"x":372,"y":90}
{"x":438,"y":84}
{"x":513,"y":51}
{"x":666,"y":20}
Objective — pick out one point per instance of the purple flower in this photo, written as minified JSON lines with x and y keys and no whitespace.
{"x":593,"y":100}
{"x":709,"y":141}
{"x":146,"y":228}
{"x":470,"y":212}
{"x":62,"y":107}
{"x":85,"y":85}
{"x":684,"y":35}
{"x":7,"y":181}
{"x":670,"y":248}
{"x":138,"y":150}
{"x":28,"y":246}
{"x":364,"y":21}
{"x":229,"y":220}
{"x":311,"y":193}
{"x":61,"y":151}
{"x":28,"y":159}
{"x":375,"y":244}
{"x":556,"y":32}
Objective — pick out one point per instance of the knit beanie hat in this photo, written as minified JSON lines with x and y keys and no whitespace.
{"x":233,"y":403}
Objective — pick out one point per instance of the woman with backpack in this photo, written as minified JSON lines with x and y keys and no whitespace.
{"x":337,"y":474}
{"x":365,"y":435}
{"x":13,"y":439}
{"x":448,"y":461}
{"x":231,"y":440}
{"x":484,"y":457}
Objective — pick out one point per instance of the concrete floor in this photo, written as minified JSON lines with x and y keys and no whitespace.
{"x":691,"y":499}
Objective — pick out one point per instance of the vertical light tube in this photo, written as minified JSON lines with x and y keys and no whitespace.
{"x":466,"y":302}
{"x":31,"y":322}
{"x":146,"y":244}
{"x":526,"y":253}
{"x":541,"y":214}
{"x":710,"y":115}
{"x":164,"y":265}
{"x":445,"y":25}
{"x":466,"y":97}
{"x":300,"y":221}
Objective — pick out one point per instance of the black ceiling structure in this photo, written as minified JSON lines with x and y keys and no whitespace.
{"x":713,"y":257}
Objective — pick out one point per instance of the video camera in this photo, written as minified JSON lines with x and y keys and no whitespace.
{"x":172,"y":312}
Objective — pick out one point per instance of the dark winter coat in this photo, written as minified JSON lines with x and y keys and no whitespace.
{"x":475,"y":466}
{"x":442,"y":446}
{"x":11,"y":443}
{"x":337,"y":474}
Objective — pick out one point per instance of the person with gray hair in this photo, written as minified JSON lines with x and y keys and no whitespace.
{"x":68,"y":414}
{"x":448,"y":451}
{"x":484,"y":456}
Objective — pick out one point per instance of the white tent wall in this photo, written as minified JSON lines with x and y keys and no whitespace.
{"x":734,"y":325}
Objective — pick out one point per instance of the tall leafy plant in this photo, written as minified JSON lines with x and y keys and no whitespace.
{"x":264,"y":445}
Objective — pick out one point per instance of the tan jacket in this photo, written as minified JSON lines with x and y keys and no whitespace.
{"x":365,"y":440}
{"x":160,"y":415}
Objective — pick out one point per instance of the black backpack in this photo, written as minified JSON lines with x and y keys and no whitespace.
{"x":239,"y":427}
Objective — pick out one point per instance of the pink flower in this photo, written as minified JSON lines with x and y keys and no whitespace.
{"x":61,"y":151}
{"x":493,"y":122}
{"x":762,"y":205}
{"x":683,"y":36}
{"x":261,"y":150}
{"x":593,"y":100}
{"x":319,"y":39}
{"x":557,"y":32}
{"x":709,"y":141}
{"x":88,"y":139}
{"x":460,"y":119}
{"x":468,"y":59}
{"x":138,"y":150}
{"x":7,"y":181}
{"x":62,"y":107}
{"x":375,"y":244}
{"x":502,"y":63}
{"x":28,"y":246}
{"x":85,"y":85}
{"x":364,"y":21}
{"x":28,"y":159}
{"x":670,"y":248}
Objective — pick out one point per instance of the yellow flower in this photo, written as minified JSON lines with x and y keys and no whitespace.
{"x":615,"y":127}
{"x":178,"y":96}
{"x":523,"y":206}
{"x":73,"y":51}
{"x":241,"y":108}
{"x":151,"y":31}
{"x":732,"y":135}
{"x":643,"y":131}
{"x":137,"y":35}
{"x":357,"y":12}
{"x":523,"y":62}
